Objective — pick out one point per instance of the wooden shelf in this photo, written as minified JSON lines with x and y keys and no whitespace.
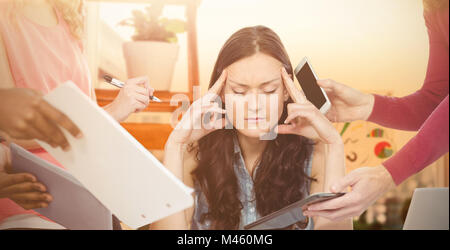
{"x":151,"y":136}
{"x":106,"y":96}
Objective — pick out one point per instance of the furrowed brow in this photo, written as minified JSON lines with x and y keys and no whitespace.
{"x":246,"y":86}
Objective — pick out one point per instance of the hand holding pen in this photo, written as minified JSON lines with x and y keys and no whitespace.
{"x":120,"y":84}
{"x":134,"y":96}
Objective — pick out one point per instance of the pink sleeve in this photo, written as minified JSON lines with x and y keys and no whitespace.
{"x":430,"y":143}
{"x":409,"y":112}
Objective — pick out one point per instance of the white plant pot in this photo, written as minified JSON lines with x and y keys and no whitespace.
{"x":153,"y":59}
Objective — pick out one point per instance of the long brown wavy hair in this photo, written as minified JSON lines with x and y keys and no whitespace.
{"x":280,"y":179}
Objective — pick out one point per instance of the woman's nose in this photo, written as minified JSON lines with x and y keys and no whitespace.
{"x":255,"y":102}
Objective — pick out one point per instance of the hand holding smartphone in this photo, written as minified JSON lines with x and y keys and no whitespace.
{"x":308,"y":82}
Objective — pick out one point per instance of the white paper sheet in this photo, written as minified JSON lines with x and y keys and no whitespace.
{"x":113,"y":166}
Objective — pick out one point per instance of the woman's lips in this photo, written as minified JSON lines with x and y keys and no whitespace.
{"x":254,"y":120}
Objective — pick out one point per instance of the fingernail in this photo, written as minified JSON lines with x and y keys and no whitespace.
{"x":40,"y":188}
{"x":333,"y":189}
{"x":30,"y":178}
{"x":79,"y":136}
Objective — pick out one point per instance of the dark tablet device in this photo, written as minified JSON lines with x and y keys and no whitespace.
{"x":290,"y":214}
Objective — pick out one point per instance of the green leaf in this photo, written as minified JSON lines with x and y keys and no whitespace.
{"x":173,"y":25}
{"x":150,"y":27}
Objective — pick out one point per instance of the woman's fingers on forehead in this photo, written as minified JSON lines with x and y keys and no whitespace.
{"x":288,"y":84}
{"x":293,"y":91}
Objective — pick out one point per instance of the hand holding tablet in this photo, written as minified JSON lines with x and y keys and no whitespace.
{"x":73,"y":206}
{"x":290,"y":214}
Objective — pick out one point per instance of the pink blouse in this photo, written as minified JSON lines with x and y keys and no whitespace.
{"x":41,"y":58}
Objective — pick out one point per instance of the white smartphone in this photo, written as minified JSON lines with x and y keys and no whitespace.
{"x":308,"y":82}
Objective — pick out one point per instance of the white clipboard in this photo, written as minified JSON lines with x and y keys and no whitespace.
{"x":113,"y":165}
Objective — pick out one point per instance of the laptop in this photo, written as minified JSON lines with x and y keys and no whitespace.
{"x":428,"y":210}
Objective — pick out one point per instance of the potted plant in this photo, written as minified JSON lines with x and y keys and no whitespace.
{"x":154,"y":49}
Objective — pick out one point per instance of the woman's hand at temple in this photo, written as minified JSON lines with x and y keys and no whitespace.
{"x":203,"y":117}
{"x":133,"y":97}
{"x":305,"y":119}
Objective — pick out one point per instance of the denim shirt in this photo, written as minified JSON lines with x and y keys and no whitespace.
{"x":249,"y":213}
